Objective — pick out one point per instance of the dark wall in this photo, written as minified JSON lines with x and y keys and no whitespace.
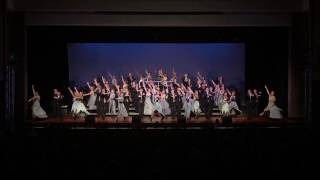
{"x":12,"y":56}
{"x":315,"y":60}
{"x":15,"y":56}
{"x":158,"y":5}
{"x":266,"y":51}
{"x":300,"y":55}
{"x":2,"y":59}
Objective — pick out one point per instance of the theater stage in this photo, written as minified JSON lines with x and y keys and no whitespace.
{"x":169,"y":122}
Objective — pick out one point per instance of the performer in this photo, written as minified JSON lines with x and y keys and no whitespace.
{"x":77,"y":106}
{"x":272,"y":108}
{"x":217,"y":94}
{"x":195,"y":104}
{"x":220,"y":81}
{"x":164,"y":104}
{"x":127,"y":99}
{"x":122,"y":111}
{"x":135,"y":96}
{"x":141,"y":102}
{"x":222,"y":95}
{"x":37,"y":111}
{"x":160,"y":74}
{"x":185,"y":80}
{"x":172,"y":102}
{"x":56,"y":105}
{"x":112,"y":102}
{"x":202,"y":95}
{"x":251,"y":101}
{"x":232,"y":101}
{"x":164,"y":80}
{"x":178,"y":102}
{"x":187,"y":106}
{"x":259,"y":105}
{"x":225,"y":105}
{"x":92,"y":99}
{"x":130,"y":79}
{"x":158,"y":108}
{"x":148,"y":76}
{"x":148,"y":106}
{"x":101,"y":102}
{"x":114,"y":81}
{"x":207,"y":105}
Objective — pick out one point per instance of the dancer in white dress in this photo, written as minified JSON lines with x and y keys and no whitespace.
{"x":157,"y":107}
{"x":195,"y":104}
{"x":37,"y":111}
{"x":122,"y":111}
{"x":77,"y":106}
{"x":148,"y":106}
{"x":225,"y":105}
{"x":112,"y":102}
{"x":275,"y":111}
{"x":187,"y":107}
{"x":232,"y":101}
{"x":164,"y":103}
{"x":92,"y":99}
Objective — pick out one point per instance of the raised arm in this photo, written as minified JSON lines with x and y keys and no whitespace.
{"x":71,"y":92}
{"x":103,"y":80}
{"x":123,"y":82}
{"x":199,"y":76}
{"x":88,"y":94}
{"x":111,"y":77}
{"x":229,"y":92}
{"x":75,"y":88}
{"x":265,"y":86}
{"x":95,"y":81}
{"x":31,"y":99}
{"x":88,"y":85}
{"x":33,"y":91}
{"x":144,"y":86}
{"x":177,"y":84}
{"x":220,"y":80}
{"x":214,"y":84}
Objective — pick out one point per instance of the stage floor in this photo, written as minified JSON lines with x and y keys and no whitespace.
{"x":130,"y":122}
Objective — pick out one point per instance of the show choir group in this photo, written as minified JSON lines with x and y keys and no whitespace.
{"x":155,"y":95}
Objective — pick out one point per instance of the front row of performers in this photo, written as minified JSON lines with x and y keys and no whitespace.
{"x":151,"y":98}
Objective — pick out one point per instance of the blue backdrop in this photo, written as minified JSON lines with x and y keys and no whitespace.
{"x":89,"y":60}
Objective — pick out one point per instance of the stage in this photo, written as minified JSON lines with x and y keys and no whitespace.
{"x":133,"y":122}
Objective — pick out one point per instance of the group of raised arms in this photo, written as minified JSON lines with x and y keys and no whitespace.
{"x":155,"y":95}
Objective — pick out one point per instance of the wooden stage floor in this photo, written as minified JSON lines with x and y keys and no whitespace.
{"x":114,"y":121}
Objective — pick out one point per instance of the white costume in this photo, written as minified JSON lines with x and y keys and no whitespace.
{"x":148,"y":106}
{"x":78,"y":106}
{"x":92,"y":102}
{"x":37,"y":110}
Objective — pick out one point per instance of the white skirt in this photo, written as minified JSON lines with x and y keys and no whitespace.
{"x":92,"y":102}
{"x":77,"y":107}
{"x":37,"y":110}
{"x":275,"y":112}
{"x":196,"y":107}
{"x":148,"y":107}
{"x":225,"y":108}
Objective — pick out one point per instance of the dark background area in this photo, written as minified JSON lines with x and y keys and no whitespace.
{"x":242,"y":152}
{"x":265,"y":62}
